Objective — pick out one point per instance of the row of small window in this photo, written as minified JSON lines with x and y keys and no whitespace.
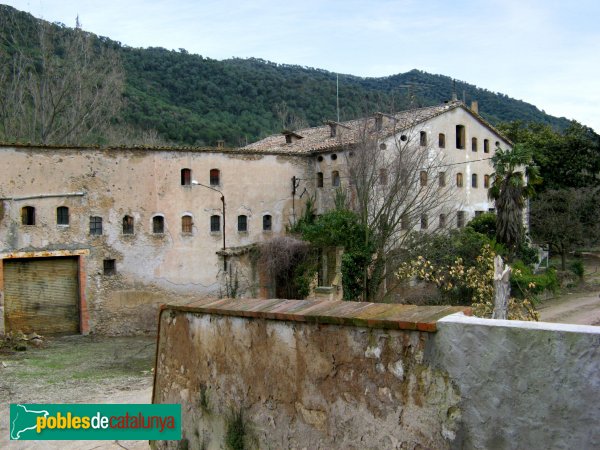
{"x":442,"y":220}
{"x":460,"y":140}
{"x":214,"y":178}
{"x":187,"y":224}
{"x":423,"y":176}
{"x":158,"y":222}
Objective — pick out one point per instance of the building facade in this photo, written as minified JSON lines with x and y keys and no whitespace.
{"x":93,"y":240}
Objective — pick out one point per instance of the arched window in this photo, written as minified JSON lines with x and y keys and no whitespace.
{"x":186,"y":177}
{"x":158,"y":224}
{"x":474,"y":180}
{"x":486,"y":146}
{"x":319,"y":179}
{"x":423,"y":139}
{"x":186,"y":224}
{"x":127,"y":225}
{"x":242,"y":223}
{"x":442,"y":140}
{"x":423,"y":178}
{"x":442,"y":179}
{"x":28,"y":215}
{"x":215,"y":177}
{"x":215,"y":224}
{"x":459,"y":180}
{"x":486,"y":181}
{"x":424,"y":222}
{"x":335,"y":178}
{"x":474,"y":144}
{"x":460,"y":136}
{"x":267,"y":223}
{"x":62,"y":215}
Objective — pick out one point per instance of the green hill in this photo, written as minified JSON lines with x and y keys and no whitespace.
{"x":193,"y":100}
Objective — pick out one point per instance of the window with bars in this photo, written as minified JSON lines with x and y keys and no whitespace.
{"x":242,"y":223}
{"x":95,"y":225}
{"x":186,"y":224}
{"x":62,"y":215}
{"x":158,"y":224}
{"x":215,"y":224}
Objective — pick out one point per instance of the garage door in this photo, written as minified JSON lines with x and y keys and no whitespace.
{"x":41,"y":295}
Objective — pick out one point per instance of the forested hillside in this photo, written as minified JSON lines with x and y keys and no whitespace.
{"x":192,"y":100}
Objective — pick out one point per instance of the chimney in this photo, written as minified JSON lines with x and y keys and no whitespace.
{"x":378,"y":121}
{"x":333,"y":129}
{"x":475,"y":106}
{"x":454,"y":97}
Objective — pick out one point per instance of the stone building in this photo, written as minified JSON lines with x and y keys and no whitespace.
{"x":93,"y":240}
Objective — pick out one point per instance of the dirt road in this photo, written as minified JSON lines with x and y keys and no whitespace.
{"x":577,"y":308}
{"x":77,"y":369}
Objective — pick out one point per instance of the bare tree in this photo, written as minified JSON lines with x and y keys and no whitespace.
{"x":288,"y":120}
{"x":66,"y":90}
{"x":398,"y":182}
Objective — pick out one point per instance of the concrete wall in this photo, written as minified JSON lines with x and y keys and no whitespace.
{"x":522,"y":384}
{"x":151,"y":268}
{"x":354,"y":375}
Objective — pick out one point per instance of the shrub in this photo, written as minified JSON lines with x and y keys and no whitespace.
{"x":524,"y":282}
{"x":577,"y":268}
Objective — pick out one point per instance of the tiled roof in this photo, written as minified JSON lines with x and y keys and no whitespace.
{"x":357,"y":314}
{"x":318,"y":139}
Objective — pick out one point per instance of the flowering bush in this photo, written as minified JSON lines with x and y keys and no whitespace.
{"x":476,"y":281}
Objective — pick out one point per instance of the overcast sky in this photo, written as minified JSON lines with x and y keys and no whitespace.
{"x":544,"y":52}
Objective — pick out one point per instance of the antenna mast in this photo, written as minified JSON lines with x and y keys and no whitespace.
{"x":337,"y":95}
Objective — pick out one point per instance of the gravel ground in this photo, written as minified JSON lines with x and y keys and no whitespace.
{"x":76,"y":369}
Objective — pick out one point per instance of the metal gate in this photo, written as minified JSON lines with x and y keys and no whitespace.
{"x":41,"y":295}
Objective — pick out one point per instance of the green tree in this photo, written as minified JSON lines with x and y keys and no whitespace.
{"x":341,"y":228}
{"x":566,"y":218}
{"x":513,"y":184}
{"x":567,"y":159}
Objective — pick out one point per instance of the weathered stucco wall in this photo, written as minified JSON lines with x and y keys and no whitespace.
{"x":354,"y":375}
{"x":151,"y":268}
{"x":306,"y":382}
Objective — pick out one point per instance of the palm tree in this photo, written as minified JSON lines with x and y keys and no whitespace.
{"x":513,"y":181}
